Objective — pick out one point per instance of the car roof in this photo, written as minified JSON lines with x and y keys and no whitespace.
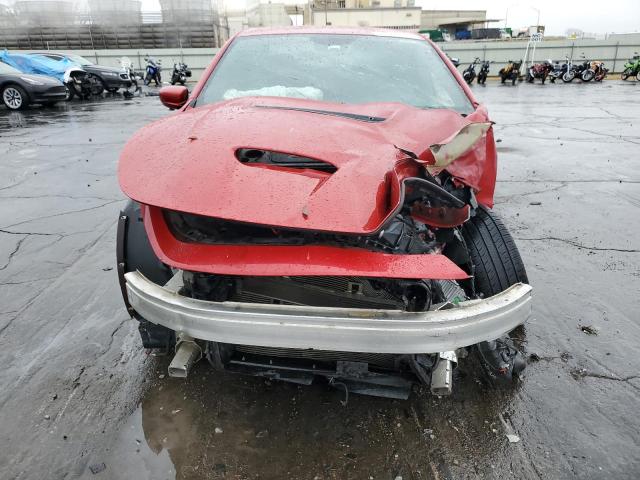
{"x":376,"y":32}
{"x":48,"y":53}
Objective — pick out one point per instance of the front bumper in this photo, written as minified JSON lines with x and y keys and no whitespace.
{"x":47,"y":93}
{"x":326,"y":328}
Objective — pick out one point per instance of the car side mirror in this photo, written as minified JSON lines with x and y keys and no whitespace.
{"x":174,"y":97}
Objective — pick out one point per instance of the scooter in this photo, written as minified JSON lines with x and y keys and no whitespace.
{"x":153,"y":69}
{"x":469,"y":73}
{"x":632,"y":67}
{"x":484,"y":72}
{"x":510,"y":72}
{"x":539,"y":70}
{"x":180,"y":73}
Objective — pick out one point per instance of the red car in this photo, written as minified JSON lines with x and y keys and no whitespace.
{"x":320,"y":206}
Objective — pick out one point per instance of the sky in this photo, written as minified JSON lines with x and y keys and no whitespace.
{"x":601,"y":17}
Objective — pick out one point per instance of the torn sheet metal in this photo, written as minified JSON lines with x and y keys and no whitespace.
{"x":440,"y":155}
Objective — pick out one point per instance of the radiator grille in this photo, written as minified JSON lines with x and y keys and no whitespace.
{"x":382,"y":360}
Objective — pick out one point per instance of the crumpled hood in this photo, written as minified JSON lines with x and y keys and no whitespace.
{"x":187,"y":161}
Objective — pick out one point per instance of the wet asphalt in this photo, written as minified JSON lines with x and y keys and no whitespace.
{"x":79,"y":398}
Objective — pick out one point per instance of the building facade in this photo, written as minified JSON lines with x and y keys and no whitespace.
{"x":396,"y":14}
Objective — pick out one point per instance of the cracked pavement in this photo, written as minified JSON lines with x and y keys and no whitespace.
{"x":78,"y":390}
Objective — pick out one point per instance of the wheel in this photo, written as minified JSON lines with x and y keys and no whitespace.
{"x":568,"y":77}
{"x":70,"y":93}
{"x":14,"y":97}
{"x":588,"y":75}
{"x":494,"y":255}
{"x":529,"y":78}
{"x":625,"y":74}
{"x":134,"y":250}
{"x":97,"y":87}
{"x":543,"y":79}
{"x":638,"y":76}
{"x":496,"y":266}
{"x":503,"y":79}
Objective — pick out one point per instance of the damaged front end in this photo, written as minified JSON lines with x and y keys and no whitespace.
{"x":376,"y":293}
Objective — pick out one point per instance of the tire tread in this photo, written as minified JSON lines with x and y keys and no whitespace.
{"x":493,"y":252}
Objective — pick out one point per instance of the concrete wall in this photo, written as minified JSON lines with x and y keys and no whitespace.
{"x":611,"y":51}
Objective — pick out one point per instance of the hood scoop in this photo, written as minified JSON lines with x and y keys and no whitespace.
{"x":256,"y":156}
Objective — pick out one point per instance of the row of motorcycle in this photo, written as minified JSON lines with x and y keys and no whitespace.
{"x":153,"y":72}
{"x":568,"y":71}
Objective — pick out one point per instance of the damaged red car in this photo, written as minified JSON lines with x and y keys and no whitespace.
{"x":320,"y":207}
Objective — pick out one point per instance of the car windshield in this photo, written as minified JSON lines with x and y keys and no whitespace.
{"x":7,"y":69}
{"x":336,"y":68}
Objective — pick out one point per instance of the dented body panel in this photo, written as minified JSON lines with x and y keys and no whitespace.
{"x":308,"y":260}
{"x":198,"y":171}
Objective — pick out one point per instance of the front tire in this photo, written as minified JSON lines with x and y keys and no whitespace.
{"x":494,"y":255}
{"x":97,"y":87}
{"x":588,"y":75}
{"x":497,"y":265}
{"x":625,"y":74}
{"x":568,"y":77}
{"x":14,"y":97}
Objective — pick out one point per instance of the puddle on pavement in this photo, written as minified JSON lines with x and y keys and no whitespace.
{"x":218,"y":425}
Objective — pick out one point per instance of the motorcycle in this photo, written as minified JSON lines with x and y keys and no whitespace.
{"x":559,"y":70}
{"x":581,"y":71}
{"x":454,"y":60}
{"x":510,"y":72}
{"x":632,"y":67}
{"x":152,"y":71}
{"x":599,"y":71}
{"x":469,"y":73}
{"x":484,"y":72}
{"x":540,"y":70}
{"x":127,"y":68}
{"x":180,"y":73}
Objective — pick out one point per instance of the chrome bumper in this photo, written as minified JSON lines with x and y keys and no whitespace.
{"x":325,"y":328}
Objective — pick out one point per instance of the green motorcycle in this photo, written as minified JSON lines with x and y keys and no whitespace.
{"x":632,"y":67}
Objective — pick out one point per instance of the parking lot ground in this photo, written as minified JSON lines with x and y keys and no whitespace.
{"x":81,"y":399}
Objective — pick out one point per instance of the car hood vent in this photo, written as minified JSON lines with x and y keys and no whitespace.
{"x":256,"y":156}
